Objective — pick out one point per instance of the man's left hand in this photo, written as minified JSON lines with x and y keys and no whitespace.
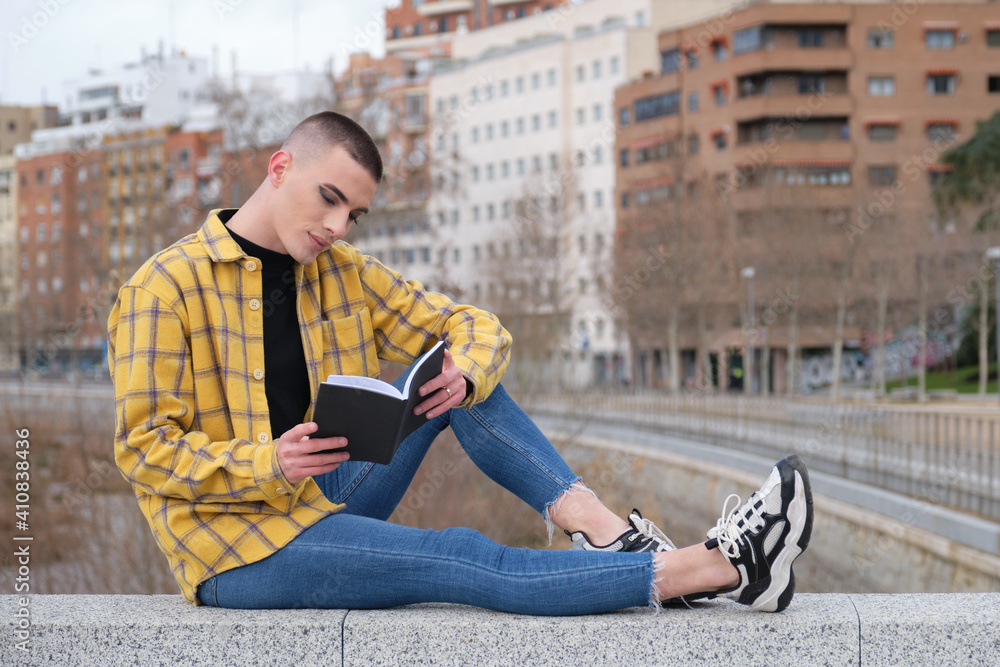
{"x":443,"y":392}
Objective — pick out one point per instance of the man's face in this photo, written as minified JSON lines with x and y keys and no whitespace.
{"x":319,"y":201}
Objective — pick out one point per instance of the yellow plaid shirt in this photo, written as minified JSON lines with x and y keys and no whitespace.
{"x":187,"y":357}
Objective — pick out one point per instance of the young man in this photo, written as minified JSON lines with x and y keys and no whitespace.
{"x":217,"y":346}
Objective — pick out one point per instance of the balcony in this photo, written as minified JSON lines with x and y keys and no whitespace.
{"x":414,"y":123}
{"x":815,"y":104}
{"x":445,"y":7}
{"x":793,"y":58}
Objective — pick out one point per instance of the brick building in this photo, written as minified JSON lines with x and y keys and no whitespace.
{"x":419,"y":24}
{"x":776,"y":137}
{"x":62,"y":298}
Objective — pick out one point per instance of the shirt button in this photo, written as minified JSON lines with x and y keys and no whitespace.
{"x":251,"y":265}
{"x":263,"y":437}
{"x":258,"y":374}
{"x":254,"y":304}
{"x":282,"y":490}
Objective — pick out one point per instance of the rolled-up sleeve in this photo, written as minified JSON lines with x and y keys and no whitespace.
{"x":407,"y":319}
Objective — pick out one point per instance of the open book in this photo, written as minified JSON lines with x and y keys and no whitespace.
{"x":373,"y":415}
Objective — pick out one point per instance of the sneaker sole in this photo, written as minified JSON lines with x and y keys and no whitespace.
{"x":781,"y":584}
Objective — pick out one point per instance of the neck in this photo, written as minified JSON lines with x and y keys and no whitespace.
{"x":254,"y":222}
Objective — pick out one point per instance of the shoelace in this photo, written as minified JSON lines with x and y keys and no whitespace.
{"x":727,"y":530}
{"x":649,"y":530}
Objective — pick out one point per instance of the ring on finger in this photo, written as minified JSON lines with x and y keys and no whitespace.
{"x":449,"y":391}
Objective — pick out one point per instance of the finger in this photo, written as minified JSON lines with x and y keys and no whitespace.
{"x":312,"y":447}
{"x":300,"y":431}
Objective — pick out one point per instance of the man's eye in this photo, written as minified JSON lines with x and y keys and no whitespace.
{"x":329,"y":200}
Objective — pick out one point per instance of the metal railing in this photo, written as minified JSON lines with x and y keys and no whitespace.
{"x":951,"y":459}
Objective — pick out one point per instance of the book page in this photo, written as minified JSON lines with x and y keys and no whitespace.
{"x":363,"y":382}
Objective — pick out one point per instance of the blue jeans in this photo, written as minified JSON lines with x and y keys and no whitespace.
{"x":356,"y":559}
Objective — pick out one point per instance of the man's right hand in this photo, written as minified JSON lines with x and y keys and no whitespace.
{"x":297,"y":454}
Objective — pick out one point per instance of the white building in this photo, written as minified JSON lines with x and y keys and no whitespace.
{"x":158,"y":90}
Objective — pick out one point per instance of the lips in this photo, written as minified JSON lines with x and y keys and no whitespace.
{"x":316,"y":243}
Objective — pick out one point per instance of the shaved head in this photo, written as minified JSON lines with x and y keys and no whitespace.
{"x":317,"y":134}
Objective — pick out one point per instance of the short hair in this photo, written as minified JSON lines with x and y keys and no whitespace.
{"x":328,"y":129}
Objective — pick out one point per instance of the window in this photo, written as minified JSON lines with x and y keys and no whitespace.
{"x":694,"y":144}
{"x":491,"y":211}
{"x":475,"y":174}
{"x":553,"y":76}
{"x":553,"y":119}
{"x":882,"y":132}
{"x":596,"y":67}
{"x":941,"y":131}
{"x":598,"y":198}
{"x":719,"y":50}
{"x":993,"y":84}
{"x":579,"y":73}
{"x":504,"y":128}
{"x":625,"y":200}
{"x":692,"y":59}
{"x":941,"y":84}
{"x":519,"y":84}
{"x":520,"y":125}
{"x":881,"y":38}
{"x":520,"y":166}
{"x":581,"y":116}
{"x":504,"y":88}
{"x":693,"y":101}
{"x":878,"y":176}
{"x":489,"y":172}
{"x":475,"y":214}
{"x":881,"y":86}
{"x":475,"y":135}
{"x":623,"y":116}
{"x":748,"y":39}
{"x":489,"y":131}
{"x":623,"y":155}
{"x":536,"y":81}
{"x":670,"y":60}
{"x":940,"y":39}
{"x":553,"y":161}
{"x":598,"y":155}
{"x":56,"y":177}
{"x":40,"y":232}
{"x":810,"y":38}
{"x":504,"y":169}
{"x":720,"y":140}
{"x":993,"y":38}
{"x":597,"y":112}
{"x":810,"y":84}
{"x":56,"y":231}
{"x":719,"y":93}
{"x":56,"y":203}
{"x":536,"y":122}
{"x":656,"y":106}
{"x":536,"y":163}
{"x":613,"y":65}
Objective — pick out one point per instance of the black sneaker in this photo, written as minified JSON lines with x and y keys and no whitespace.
{"x":765,"y":535}
{"x":642,"y":536}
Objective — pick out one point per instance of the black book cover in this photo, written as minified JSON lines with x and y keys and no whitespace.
{"x":373,"y":416}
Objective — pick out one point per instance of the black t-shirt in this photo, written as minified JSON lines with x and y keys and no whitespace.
{"x":286,"y":380}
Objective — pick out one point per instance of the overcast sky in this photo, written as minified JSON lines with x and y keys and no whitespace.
{"x":46,"y":42}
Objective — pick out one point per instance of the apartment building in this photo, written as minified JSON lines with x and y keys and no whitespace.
{"x":430,"y":24}
{"x":791,"y":127}
{"x":136,"y":215}
{"x":61,"y":295}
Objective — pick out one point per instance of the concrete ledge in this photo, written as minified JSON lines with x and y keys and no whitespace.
{"x":815,"y":629}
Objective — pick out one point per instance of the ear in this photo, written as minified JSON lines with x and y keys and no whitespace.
{"x":278,"y":166}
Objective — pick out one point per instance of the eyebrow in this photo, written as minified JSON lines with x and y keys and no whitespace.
{"x":335,"y":190}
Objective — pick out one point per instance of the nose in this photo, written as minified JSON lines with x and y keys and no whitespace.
{"x":337,"y":225}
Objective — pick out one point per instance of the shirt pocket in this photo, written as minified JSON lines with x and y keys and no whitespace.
{"x":349,"y":346}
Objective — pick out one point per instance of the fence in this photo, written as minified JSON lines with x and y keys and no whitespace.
{"x":944,"y":458}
